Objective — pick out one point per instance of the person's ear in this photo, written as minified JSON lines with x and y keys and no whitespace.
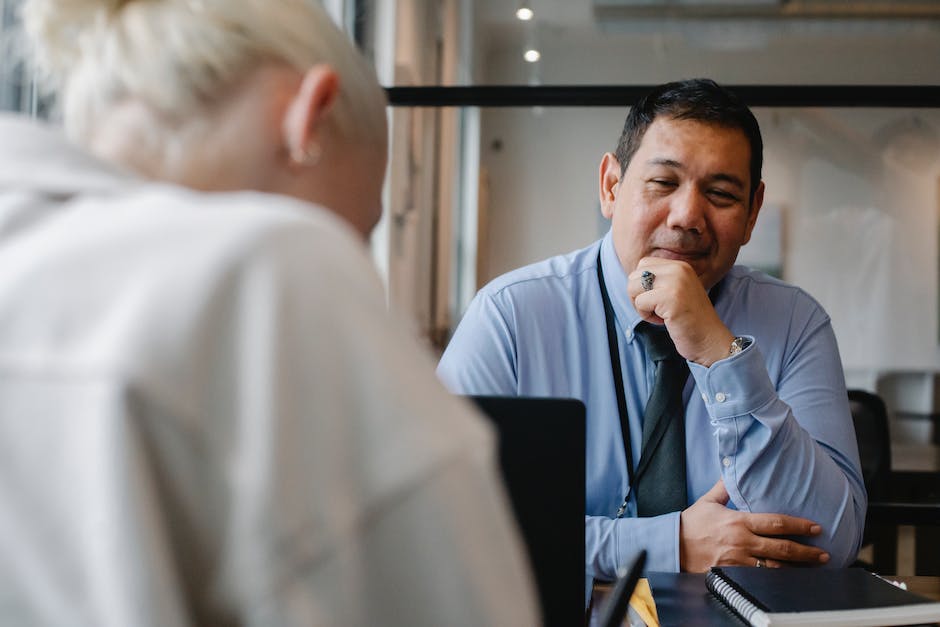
{"x":609,"y":180}
{"x":757,"y":201}
{"x":303,"y":121}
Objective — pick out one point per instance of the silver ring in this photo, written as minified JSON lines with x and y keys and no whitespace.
{"x":760,"y":563}
{"x":646,"y":280}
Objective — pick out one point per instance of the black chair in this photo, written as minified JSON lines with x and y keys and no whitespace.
{"x":894,"y":498}
{"x":870,"y":417}
{"x":874,"y":440}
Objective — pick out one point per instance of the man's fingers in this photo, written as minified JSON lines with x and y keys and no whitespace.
{"x":781,"y":525}
{"x":780,"y":550}
{"x":788,"y":551}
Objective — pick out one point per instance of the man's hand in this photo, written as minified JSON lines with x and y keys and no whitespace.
{"x":679,"y":301}
{"x":710,"y":534}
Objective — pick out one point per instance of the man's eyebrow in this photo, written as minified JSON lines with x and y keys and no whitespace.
{"x":672,"y":163}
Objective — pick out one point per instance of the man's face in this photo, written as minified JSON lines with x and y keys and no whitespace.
{"x":685,"y":196}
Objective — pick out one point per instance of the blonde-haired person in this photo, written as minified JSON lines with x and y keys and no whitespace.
{"x":206,"y":415}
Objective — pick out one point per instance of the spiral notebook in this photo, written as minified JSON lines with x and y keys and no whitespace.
{"x":850,"y":597}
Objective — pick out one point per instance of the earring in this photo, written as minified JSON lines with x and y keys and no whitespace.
{"x":308,"y":155}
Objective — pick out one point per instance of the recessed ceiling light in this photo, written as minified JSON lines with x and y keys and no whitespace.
{"x":524,"y":13}
{"x":532,"y":55}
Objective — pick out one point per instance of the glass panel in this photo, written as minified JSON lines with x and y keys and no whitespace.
{"x":850,"y":213}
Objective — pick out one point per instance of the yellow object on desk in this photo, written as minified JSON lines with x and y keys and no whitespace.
{"x":643,"y":604}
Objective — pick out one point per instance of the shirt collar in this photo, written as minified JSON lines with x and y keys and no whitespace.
{"x":615,"y":280}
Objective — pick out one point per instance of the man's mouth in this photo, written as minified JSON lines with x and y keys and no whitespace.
{"x":680,"y":254}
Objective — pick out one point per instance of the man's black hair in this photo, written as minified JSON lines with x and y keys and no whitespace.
{"x":698,"y":99}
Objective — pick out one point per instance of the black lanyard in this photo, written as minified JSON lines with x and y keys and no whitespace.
{"x":618,"y":379}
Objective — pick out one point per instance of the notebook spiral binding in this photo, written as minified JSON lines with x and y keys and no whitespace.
{"x":729,"y":595}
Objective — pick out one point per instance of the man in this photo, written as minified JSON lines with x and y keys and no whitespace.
{"x":753,"y":459}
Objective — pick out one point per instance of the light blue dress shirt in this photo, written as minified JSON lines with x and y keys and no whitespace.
{"x":773,"y":421}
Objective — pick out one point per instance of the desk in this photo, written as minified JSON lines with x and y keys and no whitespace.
{"x":682,"y":600}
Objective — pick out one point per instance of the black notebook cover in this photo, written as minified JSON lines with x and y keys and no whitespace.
{"x":771,"y":596}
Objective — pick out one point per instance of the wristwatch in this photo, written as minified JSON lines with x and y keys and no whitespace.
{"x":738,"y":344}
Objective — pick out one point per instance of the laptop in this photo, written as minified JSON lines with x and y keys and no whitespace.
{"x":541,"y":453}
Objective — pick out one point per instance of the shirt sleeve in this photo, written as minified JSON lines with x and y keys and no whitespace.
{"x":611,"y":543}
{"x":790,"y":448}
{"x":481,"y":356}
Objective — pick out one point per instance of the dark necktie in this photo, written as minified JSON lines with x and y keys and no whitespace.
{"x":660,"y":474}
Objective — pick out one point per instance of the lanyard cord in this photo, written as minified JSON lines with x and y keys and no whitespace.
{"x":618,"y":380}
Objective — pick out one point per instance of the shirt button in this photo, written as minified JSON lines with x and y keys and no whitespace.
{"x":720,"y":397}
{"x":704,"y":397}
{"x":726,"y":462}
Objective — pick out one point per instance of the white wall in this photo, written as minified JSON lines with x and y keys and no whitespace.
{"x":861,"y":237}
{"x":860,"y":202}
{"x":543,"y":175}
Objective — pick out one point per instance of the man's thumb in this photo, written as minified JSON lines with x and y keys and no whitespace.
{"x":717,"y":494}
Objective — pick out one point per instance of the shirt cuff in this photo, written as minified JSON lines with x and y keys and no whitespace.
{"x":736,"y":386}
{"x":659,"y":535}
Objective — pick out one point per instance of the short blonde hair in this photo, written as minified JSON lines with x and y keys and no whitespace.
{"x":178,"y":55}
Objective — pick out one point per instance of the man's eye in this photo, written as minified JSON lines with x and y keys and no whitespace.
{"x":722,"y":195}
{"x":664,"y":183}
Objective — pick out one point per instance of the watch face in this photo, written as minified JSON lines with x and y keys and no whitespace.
{"x":738,"y":344}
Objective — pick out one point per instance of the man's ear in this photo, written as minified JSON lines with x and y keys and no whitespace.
{"x":609,"y":180}
{"x":303,"y":120}
{"x":757,"y":201}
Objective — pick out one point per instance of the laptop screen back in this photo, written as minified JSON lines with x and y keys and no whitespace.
{"x":541,"y":452}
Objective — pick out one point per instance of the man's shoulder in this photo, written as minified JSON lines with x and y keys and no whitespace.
{"x":766,"y":289}
{"x":558,"y":272}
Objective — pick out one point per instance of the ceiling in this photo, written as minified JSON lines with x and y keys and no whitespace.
{"x":588,"y":20}
{"x":589,"y":11}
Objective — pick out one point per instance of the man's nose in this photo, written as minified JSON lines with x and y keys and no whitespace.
{"x":687,"y":210}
